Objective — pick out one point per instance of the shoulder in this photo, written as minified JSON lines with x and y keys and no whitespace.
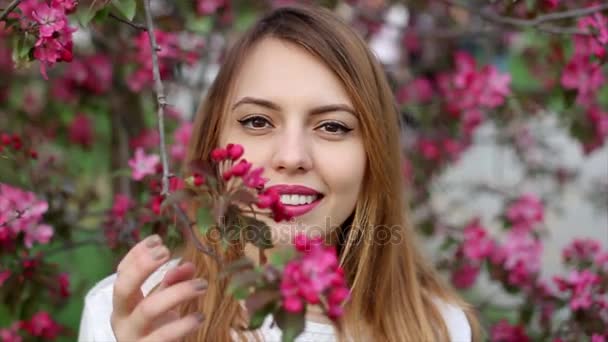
{"x":455,"y":320}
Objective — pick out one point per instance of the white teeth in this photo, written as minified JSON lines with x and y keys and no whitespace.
{"x":297,"y":199}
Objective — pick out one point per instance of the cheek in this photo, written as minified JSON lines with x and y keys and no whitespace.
{"x":343,"y":170}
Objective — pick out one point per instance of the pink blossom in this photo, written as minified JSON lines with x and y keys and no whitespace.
{"x":525,"y":212}
{"x":469,"y":89}
{"x":420,"y":90}
{"x":496,"y":87}
{"x":170,"y":52}
{"x":147,"y":139}
{"x":4,"y":275}
{"x":453,"y":148}
{"x":314,"y":275}
{"x":207,"y":7}
{"x":586,"y":46}
{"x":50,"y":50}
{"x":142,"y":164}
{"x":41,"y":234}
{"x":11,"y":334}
{"x":21,"y":212}
{"x":477,"y":244}
{"x":583,"y":75}
{"x":595,"y":23}
{"x":69,"y":6}
{"x":50,"y":19}
{"x":471,"y":119}
{"x":597,"y":338}
{"x":599,"y":120}
{"x":181,"y":137}
{"x":520,"y":255}
{"x":464,"y":276}
{"x":580,"y":283}
{"x":505,"y":332}
{"x":428,"y":149}
{"x":42,"y":325}
{"x":122,"y":204}
{"x":254,"y":179}
{"x":581,"y":250}
{"x":81,"y":131}
{"x":64,"y":285}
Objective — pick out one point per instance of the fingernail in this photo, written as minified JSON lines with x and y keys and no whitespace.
{"x":199,"y":317}
{"x":153,"y":241}
{"x":159,"y":253}
{"x":199,"y":284}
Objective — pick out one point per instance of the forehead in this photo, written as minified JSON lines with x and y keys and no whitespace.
{"x":279,"y":70}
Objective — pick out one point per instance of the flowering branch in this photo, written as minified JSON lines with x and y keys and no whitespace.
{"x":160,"y":97}
{"x":538,"y":22}
{"x":9,"y":9}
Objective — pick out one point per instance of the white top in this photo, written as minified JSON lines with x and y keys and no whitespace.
{"x":95,"y":320}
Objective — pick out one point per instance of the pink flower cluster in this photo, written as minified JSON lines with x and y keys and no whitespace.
{"x":525,"y":212}
{"x":467,"y":91}
{"x":54,"y":43}
{"x":505,"y":332}
{"x":583,"y":252}
{"x":314,"y":275}
{"x":40,"y":325}
{"x":584,"y":290}
{"x":21,"y":213}
{"x":583,"y":73}
{"x":89,"y":73}
{"x":251,"y":178}
{"x":517,"y":257}
{"x":169,"y":54}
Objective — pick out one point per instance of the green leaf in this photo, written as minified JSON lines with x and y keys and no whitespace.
{"x":261,"y":304}
{"x":126,"y":7}
{"x":85,"y":14}
{"x":203,"y":220}
{"x":281,"y":257}
{"x":291,"y":324}
{"x":22,"y":45}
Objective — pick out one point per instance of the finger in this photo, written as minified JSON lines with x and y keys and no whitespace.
{"x":139,"y":263}
{"x":178,"y":274}
{"x":175,"y":330}
{"x":160,"y":303}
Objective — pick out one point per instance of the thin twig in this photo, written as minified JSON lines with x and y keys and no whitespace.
{"x":9,"y":9}
{"x":160,"y":97}
{"x":132,"y":24}
{"x":538,"y":22}
{"x":181,"y":215}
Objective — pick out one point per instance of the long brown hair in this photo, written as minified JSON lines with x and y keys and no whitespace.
{"x":394,"y":289}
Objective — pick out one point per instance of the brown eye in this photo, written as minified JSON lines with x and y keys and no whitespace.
{"x":254,"y":122}
{"x":335,"y":128}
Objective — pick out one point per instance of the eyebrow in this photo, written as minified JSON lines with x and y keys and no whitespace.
{"x":273,"y":106}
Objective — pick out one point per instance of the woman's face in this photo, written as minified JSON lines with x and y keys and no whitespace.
{"x":293,"y":117}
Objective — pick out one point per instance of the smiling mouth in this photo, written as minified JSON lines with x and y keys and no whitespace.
{"x":295,"y":200}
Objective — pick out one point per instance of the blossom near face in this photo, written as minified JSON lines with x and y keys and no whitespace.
{"x":294,"y":118}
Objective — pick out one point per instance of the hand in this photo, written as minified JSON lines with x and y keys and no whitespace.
{"x":153,"y":318}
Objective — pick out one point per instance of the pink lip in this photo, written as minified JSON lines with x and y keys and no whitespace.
{"x":298,"y":210}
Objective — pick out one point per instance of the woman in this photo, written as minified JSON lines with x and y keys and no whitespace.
{"x":309,"y":102}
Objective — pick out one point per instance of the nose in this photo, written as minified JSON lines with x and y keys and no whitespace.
{"x":292,"y":152}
